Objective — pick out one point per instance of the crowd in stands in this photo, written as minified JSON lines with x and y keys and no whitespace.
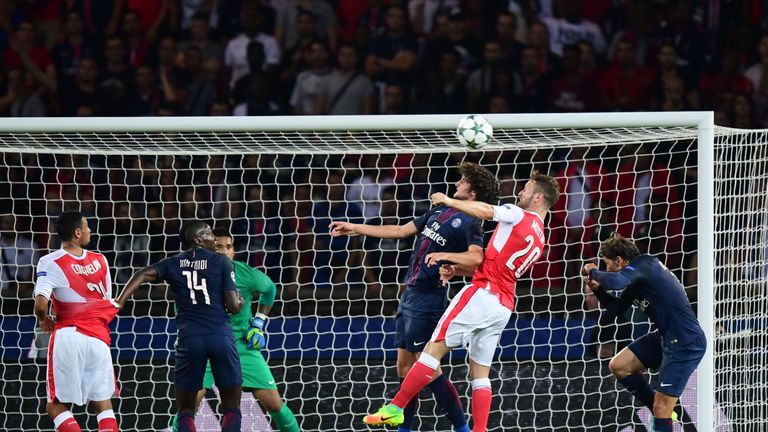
{"x":278,"y":57}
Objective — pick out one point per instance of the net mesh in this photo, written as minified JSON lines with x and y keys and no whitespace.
{"x":330,"y":335}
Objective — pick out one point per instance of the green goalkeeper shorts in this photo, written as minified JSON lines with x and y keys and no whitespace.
{"x":256,"y":374}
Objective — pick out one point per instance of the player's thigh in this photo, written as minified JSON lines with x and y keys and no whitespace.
{"x":80,"y":368}
{"x":191,"y":358}
{"x":99,"y":373}
{"x":225,"y":362}
{"x":269,"y":399}
{"x":489,"y":325}
{"x":256,"y":373}
{"x":418,"y":329}
{"x":643,"y":353}
{"x":678,"y":365}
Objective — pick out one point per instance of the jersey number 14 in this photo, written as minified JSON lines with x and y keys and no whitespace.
{"x":192,"y":284}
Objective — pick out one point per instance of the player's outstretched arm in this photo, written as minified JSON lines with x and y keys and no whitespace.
{"x":472,"y":258}
{"x":147,"y":274}
{"x":476,"y":209}
{"x":340,"y":228}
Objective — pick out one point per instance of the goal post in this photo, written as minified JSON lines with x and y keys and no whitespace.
{"x":326,"y":143}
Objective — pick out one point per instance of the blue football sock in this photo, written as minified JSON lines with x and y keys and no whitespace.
{"x":639,"y":387}
{"x":232,"y":420}
{"x":662,"y":425}
{"x":447,"y":398}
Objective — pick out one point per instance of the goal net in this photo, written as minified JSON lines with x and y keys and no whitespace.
{"x":276,"y":183}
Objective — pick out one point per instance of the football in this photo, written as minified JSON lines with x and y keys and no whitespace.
{"x":474,"y":132}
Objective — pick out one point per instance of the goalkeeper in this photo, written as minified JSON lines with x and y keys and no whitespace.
{"x":250,"y":338}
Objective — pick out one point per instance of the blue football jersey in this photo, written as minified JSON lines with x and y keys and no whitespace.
{"x":649,"y":285}
{"x":443,"y":229}
{"x":198,"y":278}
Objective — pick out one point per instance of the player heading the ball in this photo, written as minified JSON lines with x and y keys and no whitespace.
{"x":480,"y":311}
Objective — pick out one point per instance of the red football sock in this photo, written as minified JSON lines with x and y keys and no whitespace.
{"x":417,"y":378}
{"x":107,"y":421}
{"x":64,"y":422}
{"x":481,"y":403}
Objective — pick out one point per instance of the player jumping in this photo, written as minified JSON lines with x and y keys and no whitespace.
{"x":480,"y":311}
{"x":678,"y":344}
{"x":204,"y":284}
{"x":442,"y":229}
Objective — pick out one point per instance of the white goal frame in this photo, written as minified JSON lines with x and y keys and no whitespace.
{"x":703,"y":121}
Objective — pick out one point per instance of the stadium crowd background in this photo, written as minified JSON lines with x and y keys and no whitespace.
{"x":148,"y":57}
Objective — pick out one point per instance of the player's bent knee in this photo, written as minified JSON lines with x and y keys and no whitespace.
{"x":618,"y":367}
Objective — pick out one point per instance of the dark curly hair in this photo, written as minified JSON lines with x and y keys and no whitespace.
{"x":619,"y":246}
{"x":484,"y":183}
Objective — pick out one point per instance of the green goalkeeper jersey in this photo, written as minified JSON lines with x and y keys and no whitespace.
{"x":250,"y":281}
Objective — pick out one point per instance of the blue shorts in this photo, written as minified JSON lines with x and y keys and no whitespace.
{"x":194,"y":351}
{"x":675,"y":363}
{"x":417,"y":317}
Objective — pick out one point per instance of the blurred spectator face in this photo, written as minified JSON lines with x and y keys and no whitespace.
{"x":506,"y":26}
{"x":762,"y":49}
{"x":74,"y":24}
{"x":572,"y":10}
{"x":347,"y":58}
{"x":492,"y":53}
{"x":145,"y":78}
{"x":17,"y":81}
{"x":742,"y":106}
{"x":730,"y":62}
{"x":250,"y":17}
{"x":456,"y":26}
{"x":199,"y":29}
{"x":26,"y":33}
{"x":498,"y":105}
{"x":193,"y":59}
{"x":587,"y":57}
{"x":625,"y":54}
{"x":571,"y":59}
{"x":449,"y":63}
{"x":395,"y":19}
{"x":667,"y":57}
{"x":166,"y":51}
{"x":115,"y":50}
{"x":132,"y":24}
{"x":530,"y":61}
{"x":305,"y":25}
{"x":441,"y":25}
{"x":674,"y":89}
{"x":85,"y":111}
{"x":87,"y":71}
{"x":394,"y":97}
{"x":318,"y":56}
{"x":538,"y":35}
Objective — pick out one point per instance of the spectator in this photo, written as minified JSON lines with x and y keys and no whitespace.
{"x":199,"y":31}
{"x":571,"y":89}
{"x":101,"y":18}
{"x":348,"y":15}
{"x":743,"y":112}
{"x":423,"y":13}
{"x":346,"y":91}
{"x":220,"y":108}
{"x":117,"y":76}
{"x":296,"y":57}
{"x":196,"y":9}
{"x":146,"y":97}
{"x":236,"y":53}
{"x":680,"y":29}
{"x":255,"y":54}
{"x":445,"y":88}
{"x":198,"y":92}
{"x":81,"y":89}
{"x":480,"y":81}
{"x":625,"y":86}
{"x":641,"y":30}
{"x":758,"y":75}
{"x":506,"y":29}
{"x":719,"y":87}
{"x":156,"y":16}
{"x":10,"y":17}
{"x":395,"y":99}
{"x":136,"y":40}
{"x":17,"y":257}
{"x":261,"y":98}
{"x":393,"y":54}
{"x":669,"y":70}
{"x":310,"y":83}
{"x":458,"y":40}
{"x":533,"y":94}
{"x":674,"y":98}
{"x":366,"y":189}
{"x":75,"y":46}
{"x":21,"y":100}
{"x":35,"y":60}
{"x":46,"y":16}
{"x":572,"y":28}
{"x":538,"y":38}
{"x":287,"y":35}
{"x":372,"y":24}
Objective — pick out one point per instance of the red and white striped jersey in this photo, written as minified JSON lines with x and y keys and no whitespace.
{"x":81,"y":291}
{"x":517,"y":243}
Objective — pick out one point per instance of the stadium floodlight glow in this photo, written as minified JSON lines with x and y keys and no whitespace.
{"x":138,"y":175}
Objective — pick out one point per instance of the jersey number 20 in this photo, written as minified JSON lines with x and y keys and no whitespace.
{"x":194,"y":286}
{"x":531,"y":255}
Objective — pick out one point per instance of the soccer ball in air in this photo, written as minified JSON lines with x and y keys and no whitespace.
{"x":474,"y":131}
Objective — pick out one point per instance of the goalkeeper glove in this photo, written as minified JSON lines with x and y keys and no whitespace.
{"x":255,"y":333}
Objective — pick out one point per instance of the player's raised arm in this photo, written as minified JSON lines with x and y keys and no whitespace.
{"x":340,"y":228}
{"x":470,"y":259}
{"x":145,"y":275}
{"x":476,"y":209}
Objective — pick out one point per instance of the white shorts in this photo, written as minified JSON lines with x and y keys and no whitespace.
{"x":79,"y":368}
{"x":474,"y":320}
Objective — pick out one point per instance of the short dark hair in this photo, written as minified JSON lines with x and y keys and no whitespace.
{"x":189,"y":231}
{"x":548,"y":186}
{"x":619,"y":246}
{"x":221,"y":232}
{"x":483,"y":182}
{"x":67,"y":223}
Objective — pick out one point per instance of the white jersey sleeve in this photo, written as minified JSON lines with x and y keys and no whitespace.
{"x":45,"y":277}
{"x":508,"y":213}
